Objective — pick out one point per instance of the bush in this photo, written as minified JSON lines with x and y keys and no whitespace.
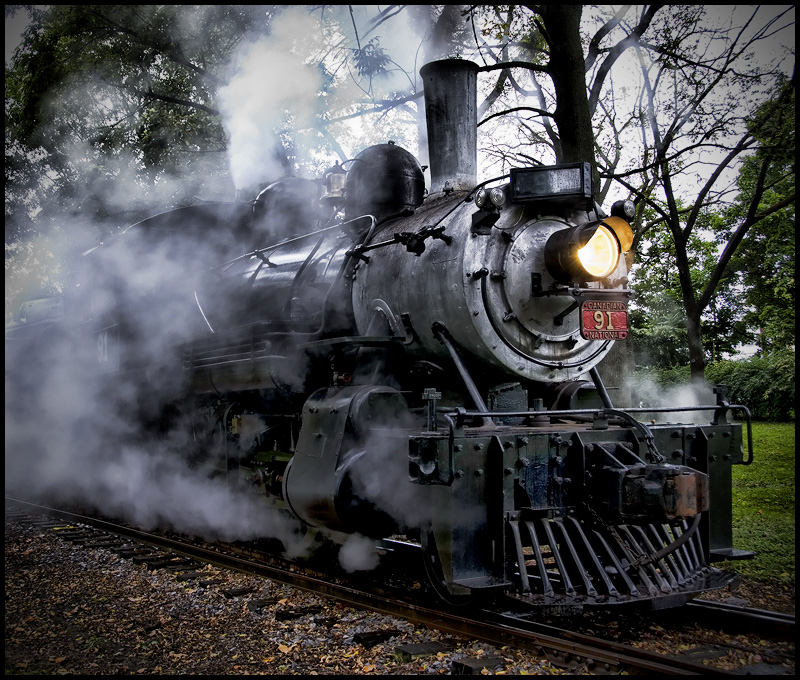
{"x":765,"y":384}
{"x":671,"y":376}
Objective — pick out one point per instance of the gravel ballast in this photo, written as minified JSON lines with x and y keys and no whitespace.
{"x":81,"y":611}
{"x":71,"y":610}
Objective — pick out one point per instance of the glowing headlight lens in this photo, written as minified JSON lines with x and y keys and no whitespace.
{"x":587,"y":252}
{"x":600,"y":255}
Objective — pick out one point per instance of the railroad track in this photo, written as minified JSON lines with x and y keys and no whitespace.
{"x":569,"y":648}
{"x":743,"y":617}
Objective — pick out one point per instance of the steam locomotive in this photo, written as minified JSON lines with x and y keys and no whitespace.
{"x":403,"y":361}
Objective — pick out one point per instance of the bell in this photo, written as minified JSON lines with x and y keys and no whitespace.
{"x":334,"y":186}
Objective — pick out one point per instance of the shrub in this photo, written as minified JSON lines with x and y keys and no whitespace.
{"x":765,"y":384}
{"x":670,"y":376}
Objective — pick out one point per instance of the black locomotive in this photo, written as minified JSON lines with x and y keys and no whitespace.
{"x":396,"y":361}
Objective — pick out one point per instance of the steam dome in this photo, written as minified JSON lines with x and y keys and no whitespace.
{"x":383,"y":180}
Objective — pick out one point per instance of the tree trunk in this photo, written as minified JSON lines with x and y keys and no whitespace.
{"x":697,"y":357}
{"x":568,"y":72}
{"x":692,"y":309}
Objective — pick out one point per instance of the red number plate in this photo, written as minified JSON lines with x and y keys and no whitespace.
{"x":601,"y":320}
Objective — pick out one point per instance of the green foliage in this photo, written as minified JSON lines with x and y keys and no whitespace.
{"x":659,"y":335}
{"x":371,"y":60}
{"x":658,"y":316}
{"x":766,"y":258}
{"x":720,"y":277}
{"x":764,"y":505}
{"x":669,"y":376}
{"x":108,"y":95}
{"x":765,"y":384}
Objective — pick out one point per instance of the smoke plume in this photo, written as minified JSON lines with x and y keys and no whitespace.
{"x":76,"y":409}
{"x":76,"y":414}
{"x":273,"y":87}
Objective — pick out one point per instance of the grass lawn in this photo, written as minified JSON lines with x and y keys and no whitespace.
{"x":763,"y":505}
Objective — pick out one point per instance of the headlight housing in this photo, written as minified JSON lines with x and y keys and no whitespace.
{"x":588,"y":252}
{"x":498,"y":196}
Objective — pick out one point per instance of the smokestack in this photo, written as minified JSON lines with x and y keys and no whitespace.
{"x":451,"y":109}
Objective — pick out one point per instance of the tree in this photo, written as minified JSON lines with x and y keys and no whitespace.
{"x":704,"y":120}
{"x":111,"y":115}
{"x":766,"y":259}
{"x":657,"y":317}
{"x":104,"y":97}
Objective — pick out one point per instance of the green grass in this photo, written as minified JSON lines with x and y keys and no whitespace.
{"x":763,"y":505}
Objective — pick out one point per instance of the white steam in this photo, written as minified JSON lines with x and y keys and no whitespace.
{"x":74,"y":425}
{"x":275,"y":84}
{"x":646,"y":393}
{"x":358,"y":554}
{"x":375,"y":478}
{"x":274,"y":102}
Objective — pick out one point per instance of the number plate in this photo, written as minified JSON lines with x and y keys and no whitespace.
{"x":601,"y":320}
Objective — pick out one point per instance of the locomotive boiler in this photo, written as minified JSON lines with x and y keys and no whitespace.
{"x":390,"y":360}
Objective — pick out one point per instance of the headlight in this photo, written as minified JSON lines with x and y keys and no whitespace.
{"x":624,"y":209}
{"x":480,"y":198}
{"x":600,"y":255}
{"x":587,"y":252}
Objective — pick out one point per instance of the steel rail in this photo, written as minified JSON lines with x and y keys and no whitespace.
{"x":728,"y":614}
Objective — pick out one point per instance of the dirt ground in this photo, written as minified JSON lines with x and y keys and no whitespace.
{"x":74,"y":611}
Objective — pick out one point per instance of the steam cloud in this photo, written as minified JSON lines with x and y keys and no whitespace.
{"x":358,"y":554}
{"x":272,"y":82}
{"x":646,"y":393}
{"x":74,"y":435}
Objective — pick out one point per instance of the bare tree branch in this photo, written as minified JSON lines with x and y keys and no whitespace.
{"x":615,"y":52}
{"x":505,"y":112}
{"x":605,"y":29}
